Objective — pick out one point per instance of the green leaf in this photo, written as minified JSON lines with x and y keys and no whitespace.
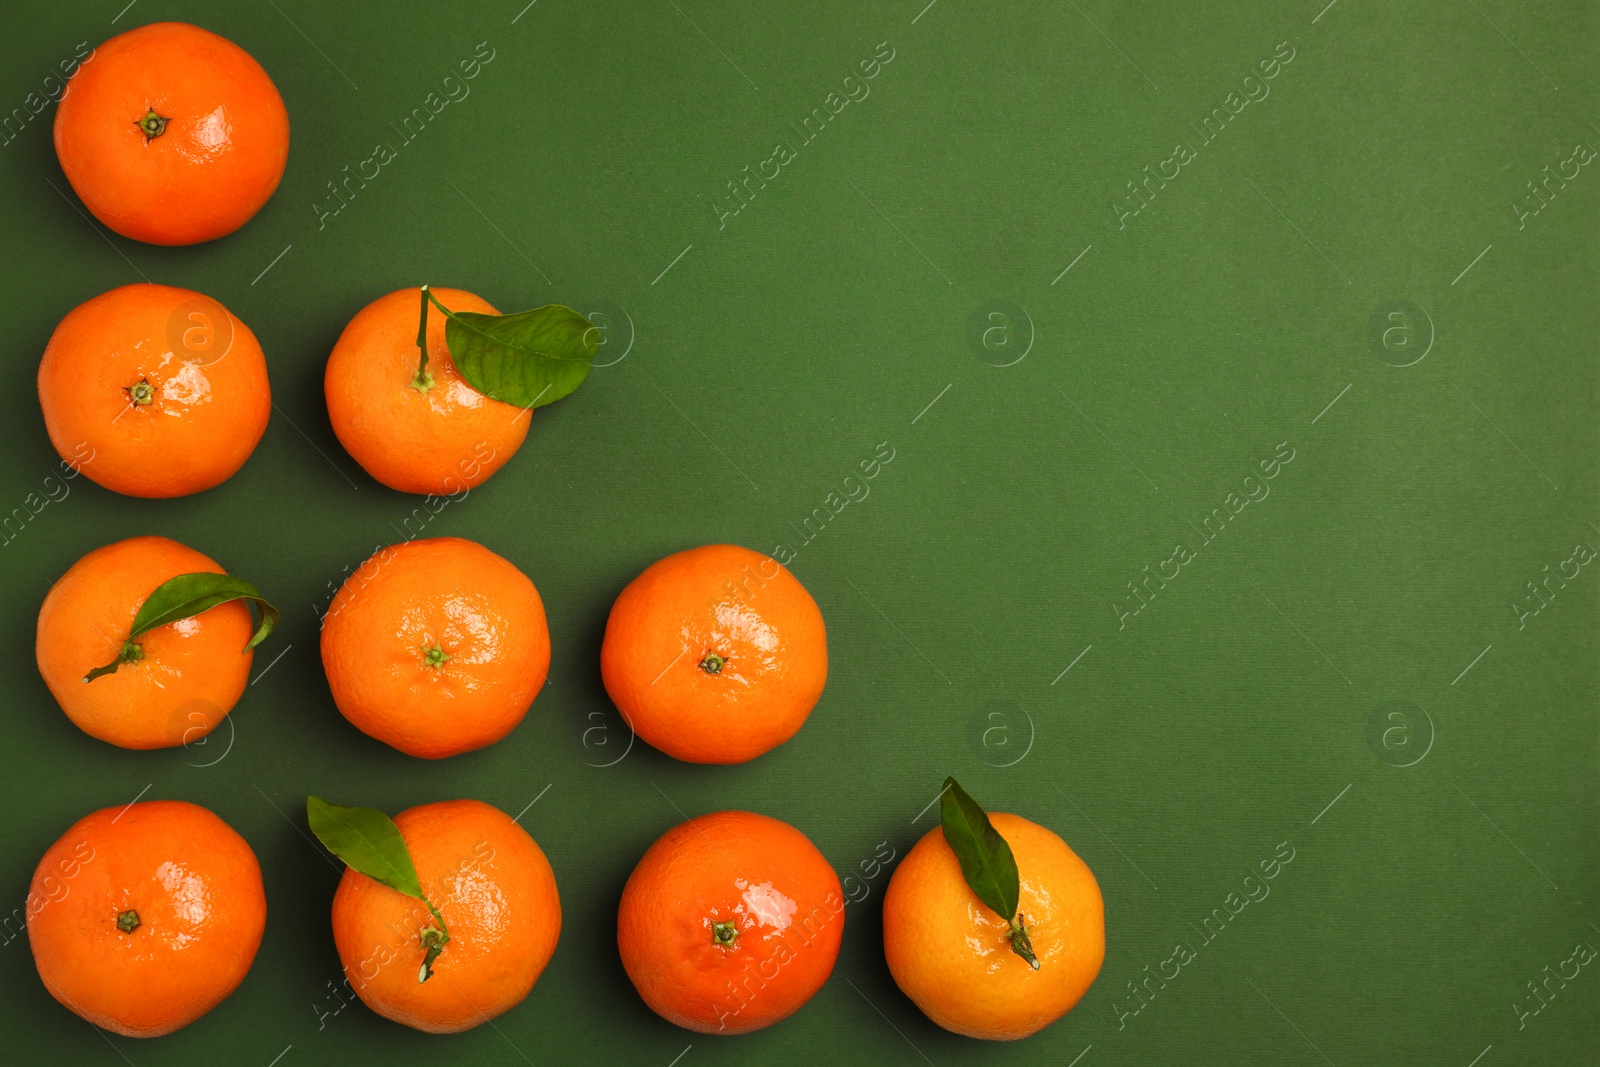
{"x":986,"y":860}
{"x":530,"y":359}
{"x":184,"y":597}
{"x":367,"y":841}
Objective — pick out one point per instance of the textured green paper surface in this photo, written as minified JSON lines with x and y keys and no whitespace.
{"x":1345,"y":267}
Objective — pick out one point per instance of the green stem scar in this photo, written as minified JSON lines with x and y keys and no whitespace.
{"x":128,"y":921}
{"x":131,"y":653}
{"x":423,"y":381}
{"x":436,"y":657}
{"x":713,"y":663}
{"x":141,"y":392}
{"x":152,"y":125}
{"x":724,"y":934}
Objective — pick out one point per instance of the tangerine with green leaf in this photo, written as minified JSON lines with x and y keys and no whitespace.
{"x":992,"y":925}
{"x":446,"y":915}
{"x":145,"y":916}
{"x":436,"y":647}
{"x":154,"y":391}
{"x":146,"y":643}
{"x":436,"y":403}
{"x":730,"y":922}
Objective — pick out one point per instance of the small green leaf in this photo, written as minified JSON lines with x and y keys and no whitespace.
{"x":184,"y":597}
{"x":367,"y":841}
{"x":530,"y":359}
{"x":986,"y":860}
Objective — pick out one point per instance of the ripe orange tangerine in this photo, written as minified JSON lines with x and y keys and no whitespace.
{"x":171,"y":134}
{"x":436,"y":435}
{"x":154,"y":391}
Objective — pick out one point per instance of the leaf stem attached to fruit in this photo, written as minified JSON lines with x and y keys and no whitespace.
{"x":1020,"y":944}
{"x":423,"y":381}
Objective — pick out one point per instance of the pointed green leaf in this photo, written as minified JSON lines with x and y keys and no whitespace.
{"x":986,"y":860}
{"x":530,"y":359}
{"x":367,"y":841}
{"x":184,"y":597}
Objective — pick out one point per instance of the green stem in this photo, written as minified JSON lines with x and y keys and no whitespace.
{"x":713,"y":663}
{"x":128,"y":921}
{"x":724,"y":934}
{"x":434,"y":938}
{"x":151,"y":124}
{"x":1020,"y":944}
{"x":423,"y":381}
{"x":131,"y":653}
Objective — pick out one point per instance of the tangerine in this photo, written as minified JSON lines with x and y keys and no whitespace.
{"x":730,"y":923}
{"x":497,"y":894}
{"x":430,"y":434}
{"x":184,"y":677}
{"x":952,"y":955}
{"x":154,"y":391}
{"x":436,"y":646}
{"x":172,"y":135}
{"x":143,"y":918}
{"x":715,"y":655}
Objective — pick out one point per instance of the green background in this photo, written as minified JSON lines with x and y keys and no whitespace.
{"x":791,"y":340}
